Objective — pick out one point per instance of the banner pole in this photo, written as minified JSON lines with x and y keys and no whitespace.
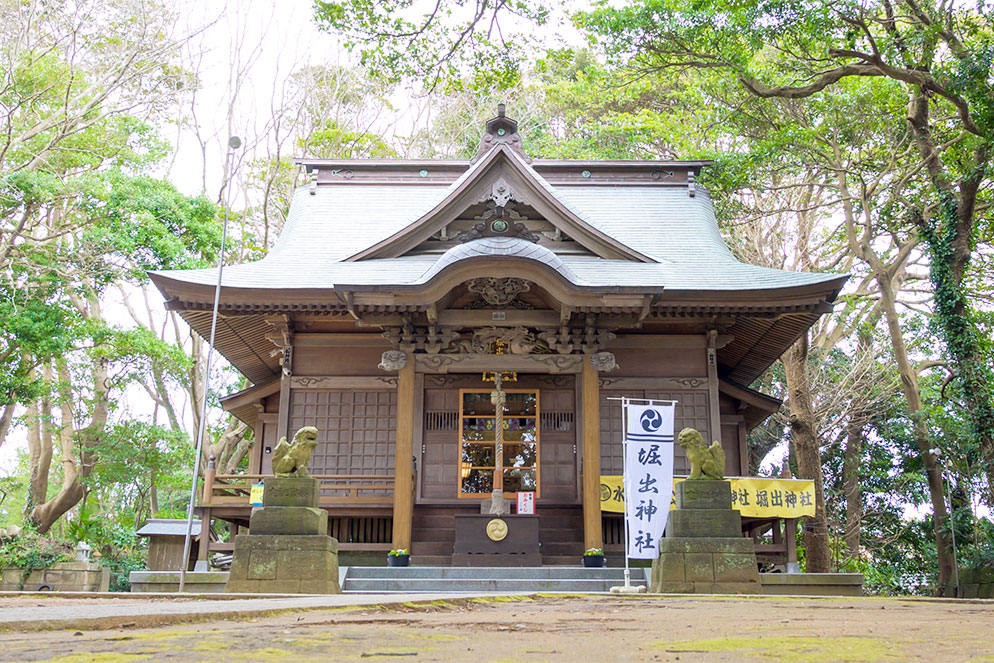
{"x":625,"y":482}
{"x":233,"y":144}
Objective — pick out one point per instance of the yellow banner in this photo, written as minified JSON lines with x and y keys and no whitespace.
{"x":255,"y":497}
{"x":754,"y":498}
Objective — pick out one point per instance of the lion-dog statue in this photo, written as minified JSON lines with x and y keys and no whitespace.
{"x":292,"y":458}
{"x":705,"y":462}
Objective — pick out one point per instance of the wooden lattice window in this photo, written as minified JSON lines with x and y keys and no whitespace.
{"x":441,"y":421}
{"x":557,"y":421}
{"x":518,"y":469}
{"x":356,"y":429}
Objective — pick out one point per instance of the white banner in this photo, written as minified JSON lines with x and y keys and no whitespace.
{"x":648,"y":475}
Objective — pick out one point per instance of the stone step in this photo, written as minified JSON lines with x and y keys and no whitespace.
{"x":413,"y":585}
{"x":493,"y":572}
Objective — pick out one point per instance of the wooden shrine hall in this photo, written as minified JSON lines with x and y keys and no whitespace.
{"x":394,"y":287}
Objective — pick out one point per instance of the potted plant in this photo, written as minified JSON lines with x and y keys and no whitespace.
{"x":399,"y":557}
{"x":593,"y":558}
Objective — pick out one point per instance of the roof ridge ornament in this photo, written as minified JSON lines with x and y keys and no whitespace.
{"x":501,"y":130}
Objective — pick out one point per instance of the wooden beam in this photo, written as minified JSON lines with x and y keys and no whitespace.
{"x":403,"y":503}
{"x":591,"y":441}
{"x":476,"y":363}
{"x":512,"y":318}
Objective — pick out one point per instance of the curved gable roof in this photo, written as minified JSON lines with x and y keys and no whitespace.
{"x":510,"y":247}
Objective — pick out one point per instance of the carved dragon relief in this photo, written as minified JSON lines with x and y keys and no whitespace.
{"x":519,"y":341}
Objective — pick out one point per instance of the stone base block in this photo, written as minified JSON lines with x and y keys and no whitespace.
{"x":284,"y":564}
{"x":708,"y":588}
{"x":706,"y":564}
{"x":728,"y":545}
{"x":291,"y":491}
{"x":700,"y":523}
{"x":301,"y":520}
{"x":197,"y":582}
{"x":703,"y":494}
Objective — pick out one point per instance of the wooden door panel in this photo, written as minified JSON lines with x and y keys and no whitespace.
{"x":557,"y":445}
{"x":440,"y":458}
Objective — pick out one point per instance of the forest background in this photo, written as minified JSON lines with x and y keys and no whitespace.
{"x":851,"y":137}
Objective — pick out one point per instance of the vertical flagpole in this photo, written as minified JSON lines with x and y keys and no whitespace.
{"x":234,"y":143}
{"x":625,"y":479}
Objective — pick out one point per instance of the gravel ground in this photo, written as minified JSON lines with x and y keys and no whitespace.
{"x":553,"y":628}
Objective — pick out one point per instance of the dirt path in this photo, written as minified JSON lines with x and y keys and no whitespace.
{"x":555,"y":628}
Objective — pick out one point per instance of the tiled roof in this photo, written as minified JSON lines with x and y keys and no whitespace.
{"x":329,"y":224}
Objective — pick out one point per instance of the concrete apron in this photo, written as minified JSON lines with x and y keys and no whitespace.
{"x":138,"y":611}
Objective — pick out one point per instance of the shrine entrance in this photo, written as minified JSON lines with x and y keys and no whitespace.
{"x":459,"y":462}
{"x":459,"y":459}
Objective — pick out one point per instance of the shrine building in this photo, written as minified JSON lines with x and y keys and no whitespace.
{"x":396,"y":285}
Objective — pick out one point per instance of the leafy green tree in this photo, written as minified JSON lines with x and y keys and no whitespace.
{"x":938,"y":54}
{"x":82,"y":87}
{"x":451,"y":40}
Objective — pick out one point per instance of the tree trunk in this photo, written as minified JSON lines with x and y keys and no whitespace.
{"x":912,"y":393}
{"x":804,"y":435}
{"x":950,"y":241}
{"x":853,"y":454}
{"x":73,"y":471}
{"x":6,"y":417}
{"x":153,"y":496}
{"x":854,"y":495}
{"x":35,"y":477}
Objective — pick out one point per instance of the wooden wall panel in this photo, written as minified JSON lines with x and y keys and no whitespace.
{"x":326,"y":360}
{"x":652,"y":355}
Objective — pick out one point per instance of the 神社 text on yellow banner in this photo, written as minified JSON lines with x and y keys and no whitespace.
{"x":751,"y":497}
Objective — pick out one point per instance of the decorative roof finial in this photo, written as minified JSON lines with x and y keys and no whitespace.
{"x":501,"y":129}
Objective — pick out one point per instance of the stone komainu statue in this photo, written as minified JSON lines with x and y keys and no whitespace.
{"x":705,"y":462}
{"x":292,"y":458}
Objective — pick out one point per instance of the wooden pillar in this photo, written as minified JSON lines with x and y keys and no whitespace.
{"x":591,"y":435}
{"x":713,"y":398}
{"x":743,"y":449}
{"x":403,"y":491}
{"x":284,"y":416}
{"x":790,"y":538}
{"x":203,"y":549}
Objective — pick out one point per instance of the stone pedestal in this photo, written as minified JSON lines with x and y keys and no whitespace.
{"x":488,"y":540}
{"x":704,"y":551}
{"x":287,"y":549}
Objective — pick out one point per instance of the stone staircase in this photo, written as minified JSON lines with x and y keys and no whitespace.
{"x":410,"y":579}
